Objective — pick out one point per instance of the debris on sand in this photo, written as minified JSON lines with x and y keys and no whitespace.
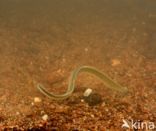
{"x":92,"y":98}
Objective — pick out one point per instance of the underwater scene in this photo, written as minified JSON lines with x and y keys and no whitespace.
{"x":77,"y":65}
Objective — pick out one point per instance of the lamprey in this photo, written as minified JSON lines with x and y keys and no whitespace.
{"x":71,"y":85}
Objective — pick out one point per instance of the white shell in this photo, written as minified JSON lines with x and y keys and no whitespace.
{"x":87,"y":92}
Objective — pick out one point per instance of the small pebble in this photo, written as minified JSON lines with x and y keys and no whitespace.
{"x":37,"y":100}
{"x":45,"y":117}
{"x":92,"y":115}
{"x":32,"y":103}
{"x":82,"y":100}
{"x":61,"y":109}
{"x":103,"y":104}
{"x":17,"y":113}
